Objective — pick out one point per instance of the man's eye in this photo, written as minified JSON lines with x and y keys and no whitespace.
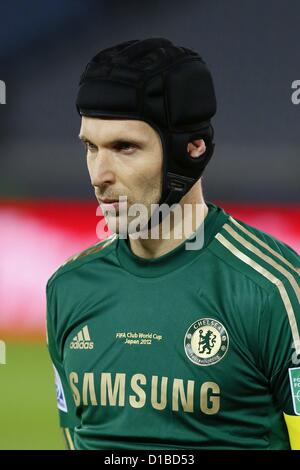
{"x":90,"y":146}
{"x":124,"y":146}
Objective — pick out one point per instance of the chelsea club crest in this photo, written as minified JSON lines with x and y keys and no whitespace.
{"x":206,"y":342}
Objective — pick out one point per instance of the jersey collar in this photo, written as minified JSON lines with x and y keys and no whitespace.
{"x":175,"y":259}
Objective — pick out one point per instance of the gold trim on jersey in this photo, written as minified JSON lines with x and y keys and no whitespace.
{"x":266,"y":258}
{"x":265,"y":245}
{"x":93,"y":249}
{"x":69,"y":438}
{"x":279,"y":284}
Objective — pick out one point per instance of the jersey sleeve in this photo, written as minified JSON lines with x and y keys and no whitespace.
{"x":65,"y":402}
{"x":280,"y":351}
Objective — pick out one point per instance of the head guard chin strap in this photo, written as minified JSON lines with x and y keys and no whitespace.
{"x":168,"y":87}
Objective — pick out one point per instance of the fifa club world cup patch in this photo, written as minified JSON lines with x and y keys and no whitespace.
{"x":206,"y":342}
{"x":60,"y":396}
{"x":294,"y":374}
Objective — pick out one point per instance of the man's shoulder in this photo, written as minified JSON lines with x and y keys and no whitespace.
{"x":75,"y":261}
{"x":261,"y":257}
{"x":273,"y":247}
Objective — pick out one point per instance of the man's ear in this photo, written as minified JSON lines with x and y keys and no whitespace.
{"x":196,"y":148}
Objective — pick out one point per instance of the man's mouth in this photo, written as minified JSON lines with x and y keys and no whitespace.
{"x":109,"y":204}
{"x":108,"y":201}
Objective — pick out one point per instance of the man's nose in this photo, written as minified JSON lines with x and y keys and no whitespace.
{"x":101,"y":171}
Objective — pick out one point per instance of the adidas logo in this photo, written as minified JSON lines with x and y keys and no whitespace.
{"x":82,"y":340}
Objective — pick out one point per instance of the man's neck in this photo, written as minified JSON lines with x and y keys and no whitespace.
{"x":191,"y":219}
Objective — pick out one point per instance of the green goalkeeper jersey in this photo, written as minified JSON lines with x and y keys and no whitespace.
{"x":195,"y":349}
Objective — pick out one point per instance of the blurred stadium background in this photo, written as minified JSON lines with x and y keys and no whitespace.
{"x":47,"y":208}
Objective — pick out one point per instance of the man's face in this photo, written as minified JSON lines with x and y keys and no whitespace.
{"x":124,"y":158}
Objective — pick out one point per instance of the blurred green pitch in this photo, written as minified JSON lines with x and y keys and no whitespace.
{"x":28,"y":413}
